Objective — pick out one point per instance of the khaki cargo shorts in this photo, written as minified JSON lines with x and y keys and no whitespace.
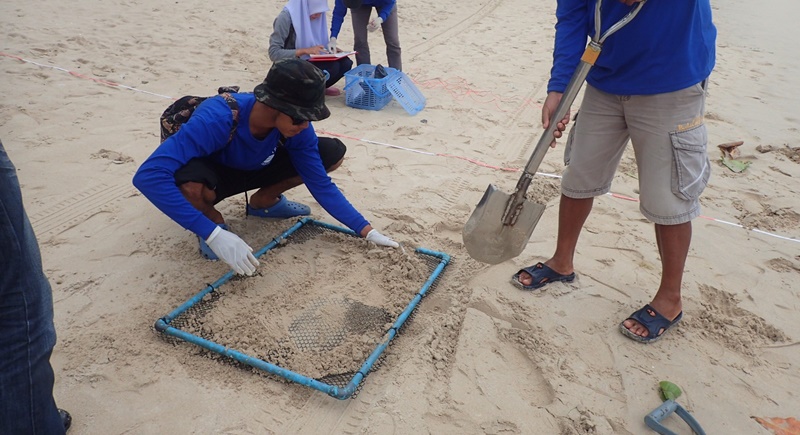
{"x":669,"y":140}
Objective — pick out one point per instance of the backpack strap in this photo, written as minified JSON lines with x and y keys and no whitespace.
{"x":234,"y":110}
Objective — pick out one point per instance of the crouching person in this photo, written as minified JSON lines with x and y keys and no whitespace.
{"x":263,"y":140}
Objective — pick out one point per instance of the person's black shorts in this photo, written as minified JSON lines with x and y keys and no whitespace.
{"x":227,"y":181}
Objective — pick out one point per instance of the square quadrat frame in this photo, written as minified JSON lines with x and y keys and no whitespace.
{"x":336,"y":386}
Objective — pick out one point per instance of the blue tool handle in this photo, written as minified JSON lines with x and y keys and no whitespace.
{"x":653,"y":420}
{"x":684,"y":414}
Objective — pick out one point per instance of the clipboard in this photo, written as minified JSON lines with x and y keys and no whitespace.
{"x":330,"y":56}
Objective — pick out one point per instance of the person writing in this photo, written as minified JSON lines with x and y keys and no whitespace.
{"x":648,"y":87}
{"x":361,"y":11}
{"x":301,"y":30}
{"x":273,"y":148}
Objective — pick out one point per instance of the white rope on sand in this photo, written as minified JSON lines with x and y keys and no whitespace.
{"x":474,"y":161}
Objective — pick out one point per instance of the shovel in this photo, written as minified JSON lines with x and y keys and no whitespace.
{"x":501,"y":224}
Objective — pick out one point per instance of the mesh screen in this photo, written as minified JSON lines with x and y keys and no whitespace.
{"x":310,"y":331}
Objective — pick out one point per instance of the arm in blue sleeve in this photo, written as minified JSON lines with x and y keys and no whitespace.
{"x":304,"y":154}
{"x":206,"y":131}
{"x":386,"y":9}
{"x":337,"y":17}
{"x":572,"y":29}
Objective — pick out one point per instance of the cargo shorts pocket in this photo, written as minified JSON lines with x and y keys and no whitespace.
{"x":570,"y":140}
{"x":692,"y":168}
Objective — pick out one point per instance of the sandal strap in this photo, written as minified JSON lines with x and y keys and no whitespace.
{"x":653,"y":322}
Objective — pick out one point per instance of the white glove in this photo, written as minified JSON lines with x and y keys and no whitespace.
{"x":374,"y":24}
{"x":379,"y":239}
{"x":332,"y":45}
{"x":232,"y":250}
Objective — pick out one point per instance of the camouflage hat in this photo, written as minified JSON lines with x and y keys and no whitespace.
{"x":296,"y":88}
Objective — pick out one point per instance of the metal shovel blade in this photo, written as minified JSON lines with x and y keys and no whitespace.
{"x":489,"y":240}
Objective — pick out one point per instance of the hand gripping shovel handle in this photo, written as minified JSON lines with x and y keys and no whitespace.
{"x":588,"y":59}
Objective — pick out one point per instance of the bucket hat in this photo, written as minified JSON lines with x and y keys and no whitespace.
{"x":296,"y":88}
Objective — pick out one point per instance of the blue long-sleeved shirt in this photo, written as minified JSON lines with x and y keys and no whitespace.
{"x":206,"y":134}
{"x":668,"y":46}
{"x":384,"y":8}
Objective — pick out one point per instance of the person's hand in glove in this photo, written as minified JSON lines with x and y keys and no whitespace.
{"x":379,"y":239}
{"x":232,"y":250}
{"x":374,"y":24}
{"x":332,"y":45}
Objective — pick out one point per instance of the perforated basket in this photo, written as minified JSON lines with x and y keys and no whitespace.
{"x":405,"y":92}
{"x":364,"y":91}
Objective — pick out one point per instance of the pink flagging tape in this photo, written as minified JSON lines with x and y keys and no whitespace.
{"x":468,"y":159}
{"x":626,"y":198}
{"x":543,"y":174}
{"x":460,"y":89}
{"x":479,"y":163}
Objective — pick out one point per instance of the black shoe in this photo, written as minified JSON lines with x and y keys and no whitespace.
{"x":380,"y":72}
{"x":65,"y":418}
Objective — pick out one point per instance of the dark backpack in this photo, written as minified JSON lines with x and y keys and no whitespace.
{"x":181,"y":110}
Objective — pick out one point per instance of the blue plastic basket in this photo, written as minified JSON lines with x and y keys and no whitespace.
{"x":405,"y":92}
{"x":364,"y":91}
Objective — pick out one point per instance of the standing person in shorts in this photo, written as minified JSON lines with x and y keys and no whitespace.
{"x":648,"y":86}
{"x":361,"y":10}
{"x":273,"y":148}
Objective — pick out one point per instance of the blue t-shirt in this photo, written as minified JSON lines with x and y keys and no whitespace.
{"x":384,"y":8}
{"x":206,"y":134}
{"x":668,"y":46}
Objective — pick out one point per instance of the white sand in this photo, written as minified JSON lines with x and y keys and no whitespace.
{"x":481,"y":356}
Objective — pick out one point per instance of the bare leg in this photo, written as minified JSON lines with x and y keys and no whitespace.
{"x":673,"y":246}
{"x":572,"y":214}
{"x":269,"y":195}
{"x":202,"y":198}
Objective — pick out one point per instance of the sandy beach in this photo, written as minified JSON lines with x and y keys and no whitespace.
{"x":84,"y":83}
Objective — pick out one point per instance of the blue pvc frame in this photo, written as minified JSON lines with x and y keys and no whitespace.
{"x":162,"y":325}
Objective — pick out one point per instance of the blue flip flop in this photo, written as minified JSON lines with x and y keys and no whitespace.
{"x":205,"y":250}
{"x":541,"y":275}
{"x":280,"y":210}
{"x":651,"y":319}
